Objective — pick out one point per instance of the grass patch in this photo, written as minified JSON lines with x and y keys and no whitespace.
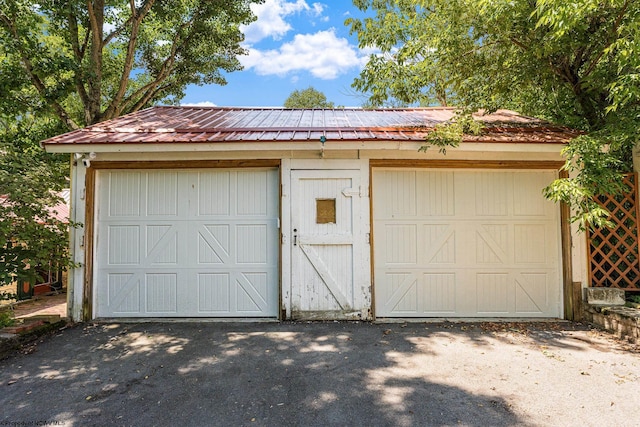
{"x":6,"y":319}
{"x":634,"y":299}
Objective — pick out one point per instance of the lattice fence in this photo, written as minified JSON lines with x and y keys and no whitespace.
{"x":614,"y":260}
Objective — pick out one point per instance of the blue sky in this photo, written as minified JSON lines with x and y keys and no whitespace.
{"x":294,"y":44}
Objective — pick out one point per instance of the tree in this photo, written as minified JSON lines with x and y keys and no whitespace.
{"x":68,"y":64}
{"x":30,"y":180}
{"x":307,"y":98}
{"x":575,"y":63}
{"x":92,"y":61}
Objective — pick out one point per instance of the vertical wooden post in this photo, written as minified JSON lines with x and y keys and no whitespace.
{"x":87,"y":295}
{"x":577,"y":301}
{"x":567,"y":265}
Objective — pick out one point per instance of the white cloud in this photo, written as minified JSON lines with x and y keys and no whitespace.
{"x":200,"y":104}
{"x":318,"y":8}
{"x":271,"y":18}
{"x":322,"y":54}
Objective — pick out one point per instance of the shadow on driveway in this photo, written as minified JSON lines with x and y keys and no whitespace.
{"x":306,"y":374}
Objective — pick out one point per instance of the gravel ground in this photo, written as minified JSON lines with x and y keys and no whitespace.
{"x":319,"y":374}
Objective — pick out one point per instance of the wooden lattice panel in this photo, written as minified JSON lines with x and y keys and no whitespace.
{"x":613,"y":252}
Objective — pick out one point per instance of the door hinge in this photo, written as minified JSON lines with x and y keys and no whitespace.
{"x":368,"y":238}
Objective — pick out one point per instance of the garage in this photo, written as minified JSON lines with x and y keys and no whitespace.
{"x":465,"y":243}
{"x":273,"y":213}
{"x":186,"y":243}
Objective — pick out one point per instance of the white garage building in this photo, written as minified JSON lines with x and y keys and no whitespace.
{"x":270,"y":213}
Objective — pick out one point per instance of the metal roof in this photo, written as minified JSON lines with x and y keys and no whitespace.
{"x":164,"y":124}
{"x":59,"y":212}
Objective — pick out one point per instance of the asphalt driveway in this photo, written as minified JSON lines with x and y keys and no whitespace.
{"x":319,"y":374}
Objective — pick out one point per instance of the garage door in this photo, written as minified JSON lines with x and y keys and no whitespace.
{"x":188,"y":243}
{"x":463,"y":243}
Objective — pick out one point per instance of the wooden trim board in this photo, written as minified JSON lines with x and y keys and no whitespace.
{"x":185,"y":164}
{"x":567,"y":265}
{"x":467,"y":164}
{"x":87,"y":294}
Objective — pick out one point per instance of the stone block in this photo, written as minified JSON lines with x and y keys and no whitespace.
{"x":46,"y":318}
{"x":605,"y":296}
{"x":24,"y":327}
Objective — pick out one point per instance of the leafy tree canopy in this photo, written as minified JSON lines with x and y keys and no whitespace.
{"x":30,"y":180}
{"x":575,"y":63}
{"x":68,"y":64}
{"x":92,"y":61}
{"x":307,"y":98}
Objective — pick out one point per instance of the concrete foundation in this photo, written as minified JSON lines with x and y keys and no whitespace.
{"x":605,"y":296}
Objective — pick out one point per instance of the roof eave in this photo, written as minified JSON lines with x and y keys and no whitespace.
{"x":375,"y":144}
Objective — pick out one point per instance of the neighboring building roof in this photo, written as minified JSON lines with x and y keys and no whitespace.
{"x":60,"y":212}
{"x":157,"y":125}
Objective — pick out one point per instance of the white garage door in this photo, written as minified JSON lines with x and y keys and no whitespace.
{"x":188,"y":243}
{"x":462,"y":243}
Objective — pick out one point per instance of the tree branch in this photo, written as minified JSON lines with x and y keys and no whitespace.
{"x":33,"y":76}
{"x":519,"y":44}
{"x":79,"y":54}
{"x":73,"y":34}
{"x":614,"y":30}
{"x":144,"y":92}
{"x":137,"y":16}
{"x":96,"y":23}
{"x":141,"y":11}
{"x":150,"y":94}
{"x":85,"y":43}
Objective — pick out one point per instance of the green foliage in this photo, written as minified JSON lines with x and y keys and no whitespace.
{"x":65,"y":65}
{"x":30,"y":180}
{"x":596,"y":169}
{"x":6,"y":296}
{"x":634,"y":299}
{"x":573,"y":63}
{"x":450,"y":134}
{"x":6,"y":319}
{"x":86,"y":62}
{"x":307,"y":98}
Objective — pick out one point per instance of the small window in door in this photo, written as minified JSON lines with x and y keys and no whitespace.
{"x":325,"y":211}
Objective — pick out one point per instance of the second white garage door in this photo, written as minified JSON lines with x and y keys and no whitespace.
{"x":187,"y":243}
{"x":462,"y":243}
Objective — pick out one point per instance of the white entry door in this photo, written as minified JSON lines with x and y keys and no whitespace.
{"x":327,"y":246}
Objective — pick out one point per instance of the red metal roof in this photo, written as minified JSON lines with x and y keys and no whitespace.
{"x":59,"y":212}
{"x":218,"y":124}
